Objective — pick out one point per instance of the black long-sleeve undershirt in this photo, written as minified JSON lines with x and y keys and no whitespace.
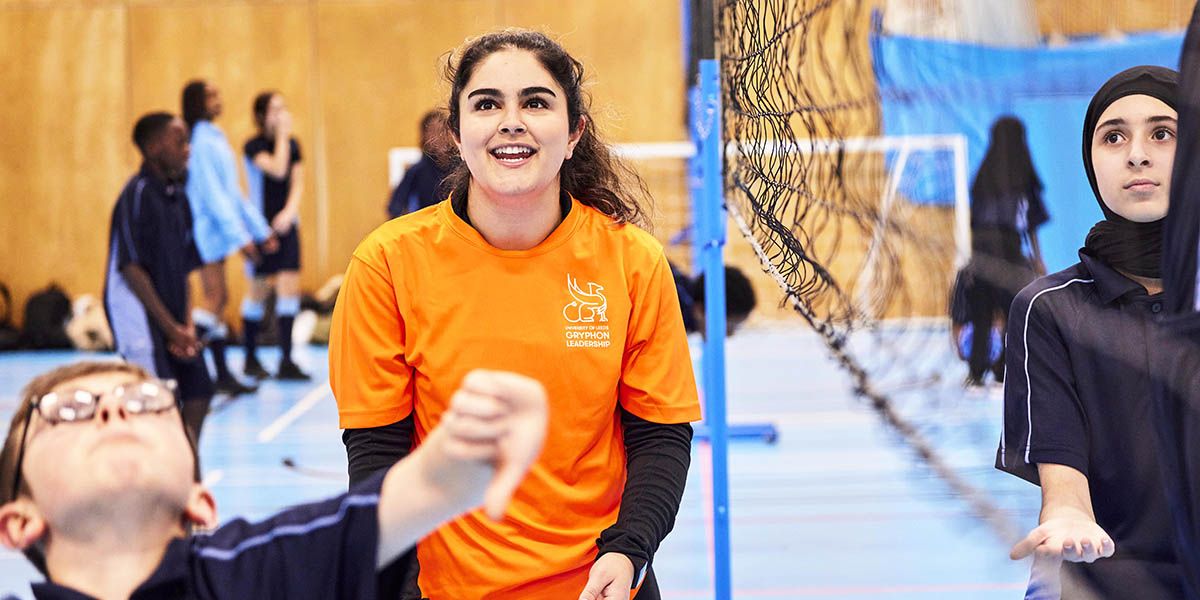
{"x":371,"y":449}
{"x":368,"y":451}
{"x":657,"y":458}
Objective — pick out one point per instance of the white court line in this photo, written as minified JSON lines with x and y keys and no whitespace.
{"x":295,"y":412}
{"x":213,"y":478}
{"x":803,"y":419}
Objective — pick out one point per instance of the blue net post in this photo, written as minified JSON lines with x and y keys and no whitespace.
{"x":709,"y":208}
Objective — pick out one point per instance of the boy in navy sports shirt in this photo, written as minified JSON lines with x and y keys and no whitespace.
{"x":98,"y":490}
{"x":151,"y":252}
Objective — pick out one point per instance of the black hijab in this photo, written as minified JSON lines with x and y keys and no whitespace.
{"x":1120,"y":243}
{"x":1007,"y":169}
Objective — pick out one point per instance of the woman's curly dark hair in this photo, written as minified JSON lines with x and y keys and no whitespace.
{"x":594,"y":175}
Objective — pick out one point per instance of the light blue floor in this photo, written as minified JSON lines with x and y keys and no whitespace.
{"x":838,"y":508}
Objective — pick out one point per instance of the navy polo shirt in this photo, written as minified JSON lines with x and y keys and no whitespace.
{"x":319,"y":551}
{"x":418,"y":189}
{"x":152,"y":227}
{"x":687,"y":304}
{"x":1078,"y":393}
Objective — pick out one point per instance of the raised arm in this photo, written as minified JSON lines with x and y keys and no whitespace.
{"x":275,"y":163}
{"x":486,"y":442}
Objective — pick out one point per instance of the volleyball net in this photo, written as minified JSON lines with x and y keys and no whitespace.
{"x":861,"y":233}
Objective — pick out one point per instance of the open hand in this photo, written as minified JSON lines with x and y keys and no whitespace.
{"x":1074,"y":539}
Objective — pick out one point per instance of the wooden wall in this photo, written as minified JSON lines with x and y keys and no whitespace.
{"x":1084,"y":17}
{"x":75,"y":74}
{"x":64,"y":143}
{"x":357,"y":74}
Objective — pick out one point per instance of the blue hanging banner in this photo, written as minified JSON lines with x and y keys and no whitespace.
{"x":938,"y":87}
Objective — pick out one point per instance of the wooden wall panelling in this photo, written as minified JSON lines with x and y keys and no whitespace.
{"x":633,"y":54}
{"x":378,"y":65}
{"x":1087,"y":17}
{"x":243,"y":48}
{"x":64,"y":149}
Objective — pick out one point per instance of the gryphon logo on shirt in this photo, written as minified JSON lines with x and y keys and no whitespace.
{"x":585,"y":313}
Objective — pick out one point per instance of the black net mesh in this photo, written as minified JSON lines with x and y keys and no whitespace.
{"x":830,"y":207}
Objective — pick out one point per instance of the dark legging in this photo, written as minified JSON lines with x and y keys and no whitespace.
{"x":194,"y":411}
{"x":998,"y":271}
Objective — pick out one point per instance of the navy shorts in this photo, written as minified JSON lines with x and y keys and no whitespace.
{"x":191,"y":376}
{"x":286,"y":259}
{"x":140,"y":343}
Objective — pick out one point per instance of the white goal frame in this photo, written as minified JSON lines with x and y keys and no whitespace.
{"x":400,"y":158}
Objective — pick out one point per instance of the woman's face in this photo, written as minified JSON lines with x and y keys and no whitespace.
{"x":212,"y":101}
{"x":513,"y":128}
{"x":1133,"y":150}
{"x":275,"y":108}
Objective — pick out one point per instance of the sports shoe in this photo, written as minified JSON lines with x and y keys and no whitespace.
{"x":232,"y":387}
{"x":254,"y":369}
{"x":290,"y":371}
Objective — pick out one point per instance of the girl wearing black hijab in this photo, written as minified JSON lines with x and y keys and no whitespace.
{"x":1006,"y":211}
{"x":1078,"y":409}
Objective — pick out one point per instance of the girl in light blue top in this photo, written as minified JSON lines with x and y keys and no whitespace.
{"x":224,"y":221}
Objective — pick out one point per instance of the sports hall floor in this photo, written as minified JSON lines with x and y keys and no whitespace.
{"x":837,"y":508}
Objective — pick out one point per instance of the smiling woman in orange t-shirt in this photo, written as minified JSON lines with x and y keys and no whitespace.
{"x":533,"y":265}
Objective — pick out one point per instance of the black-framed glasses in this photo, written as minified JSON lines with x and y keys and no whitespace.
{"x":147,"y":396}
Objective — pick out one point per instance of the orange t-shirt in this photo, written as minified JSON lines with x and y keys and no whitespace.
{"x":591,"y":312}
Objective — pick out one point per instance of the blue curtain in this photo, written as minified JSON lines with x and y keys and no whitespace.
{"x":938,"y":87}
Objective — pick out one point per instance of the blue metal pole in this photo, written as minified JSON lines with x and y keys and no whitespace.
{"x":710,"y":241}
{"x":696,"y":179}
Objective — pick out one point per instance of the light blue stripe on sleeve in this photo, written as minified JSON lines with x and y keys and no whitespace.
{"x":227,"y":554}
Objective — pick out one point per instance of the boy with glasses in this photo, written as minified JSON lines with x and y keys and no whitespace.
{"x":100,"y":491}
